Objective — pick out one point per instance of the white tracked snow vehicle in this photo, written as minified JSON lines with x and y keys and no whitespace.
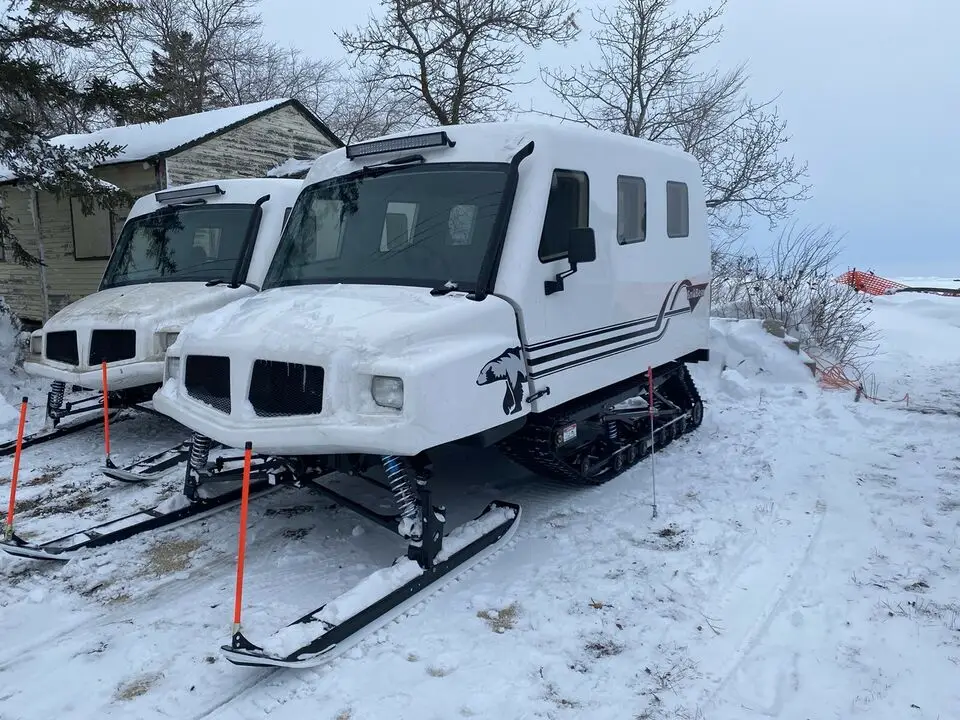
{"x":489,"y":284}
{"x":182,"y":252}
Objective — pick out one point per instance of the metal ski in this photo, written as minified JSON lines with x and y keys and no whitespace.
{"x":431,"y":562}
{"x":150,"y":467}
{"x":165,"y":514}
{"x":58,"y":431}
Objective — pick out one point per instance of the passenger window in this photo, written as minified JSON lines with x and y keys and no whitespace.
{"x":631,"y":210}
{"x":568,"y":207}
{"x":678,"y":210}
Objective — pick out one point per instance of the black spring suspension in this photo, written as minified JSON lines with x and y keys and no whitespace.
{"x":199,"y":451}
{"x":58,"y":389}
{"x":402,"y":487}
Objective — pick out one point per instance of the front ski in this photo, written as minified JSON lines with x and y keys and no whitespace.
{"x":172,"y":511}
{"x":42,"y":436}
{"x":383,"y":596}
{"x":150,"y":467}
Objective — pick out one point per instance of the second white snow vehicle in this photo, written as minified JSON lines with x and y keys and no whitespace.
{"x":181,"y":252}
{"x":523,"y":286}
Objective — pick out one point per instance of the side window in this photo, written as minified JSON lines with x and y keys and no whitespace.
{"x":567,"y":207}
{"x":631,"y":210}
{"x":678,"y":210}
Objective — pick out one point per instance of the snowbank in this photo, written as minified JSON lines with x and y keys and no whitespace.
{"x":744,"y":355}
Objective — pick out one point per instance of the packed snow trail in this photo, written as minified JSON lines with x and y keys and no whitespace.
{"x":803,"y":564}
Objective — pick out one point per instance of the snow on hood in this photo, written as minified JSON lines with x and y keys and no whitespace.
{"x":296,"y":322}
{"x":149,"y":306}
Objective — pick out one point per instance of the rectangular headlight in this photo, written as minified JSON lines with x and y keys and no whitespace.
{"x":387,"y":391}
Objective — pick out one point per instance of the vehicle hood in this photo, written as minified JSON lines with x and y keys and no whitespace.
{"x":150,"y":306}
{"x":299,"y":323}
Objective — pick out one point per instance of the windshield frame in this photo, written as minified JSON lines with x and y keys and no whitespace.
{"x":485,"y":272}
{"x":240,"y":270}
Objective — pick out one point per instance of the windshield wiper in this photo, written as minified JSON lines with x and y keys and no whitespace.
{"x":448,"y":287}
{"x":232,"y":285}
{"x":388,"y":165}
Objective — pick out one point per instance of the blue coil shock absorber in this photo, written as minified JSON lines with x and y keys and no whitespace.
{"x":401,"y":485}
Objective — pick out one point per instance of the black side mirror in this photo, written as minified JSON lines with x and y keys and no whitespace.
{"x":581,"y":248}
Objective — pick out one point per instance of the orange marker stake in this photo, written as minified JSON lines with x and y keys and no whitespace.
{"x":653,"y":461}
{"x":242,"y":542}
{"x":106,"y":413}
{"x":8,"y":527}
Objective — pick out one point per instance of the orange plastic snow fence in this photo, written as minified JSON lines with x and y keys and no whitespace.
{"x":868,"y":282}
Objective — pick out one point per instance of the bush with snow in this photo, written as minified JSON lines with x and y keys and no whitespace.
{"x":11,"y":338}
{"x":794,"y":282}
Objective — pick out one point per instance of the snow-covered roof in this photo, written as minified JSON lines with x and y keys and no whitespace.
{"x":291,"y":167}
{"x":148,"y":140}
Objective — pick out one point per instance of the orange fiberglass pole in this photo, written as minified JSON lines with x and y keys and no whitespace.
{"x":106,"y":411}
{"x":8,"y":528}
{"x":242,"y":541}
{"x":653,"y":450}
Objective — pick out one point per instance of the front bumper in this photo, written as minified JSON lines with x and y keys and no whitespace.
{"x":119,"y":376}
{"x":330,"y":433}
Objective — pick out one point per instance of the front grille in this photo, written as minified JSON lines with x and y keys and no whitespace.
{"x":62,"y":347}
{"x":112,"y":345}
{"x":207,"y":378}
{"x":279,"y":388}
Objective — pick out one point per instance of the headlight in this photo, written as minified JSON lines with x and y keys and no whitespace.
{"x":36,"y":344}
{"x":171,"y":368}
{"x":387,"y":391}
{"x":163,"y":340}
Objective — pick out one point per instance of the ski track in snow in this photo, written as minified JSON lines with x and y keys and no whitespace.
{"x":803,"y":564}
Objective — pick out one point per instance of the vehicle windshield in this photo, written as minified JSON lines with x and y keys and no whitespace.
{"x":420,"y":225}
{"x":195,"y":243}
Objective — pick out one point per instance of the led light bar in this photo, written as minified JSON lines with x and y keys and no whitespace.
{"x":411,"y":142}
{"x":167,"y":196}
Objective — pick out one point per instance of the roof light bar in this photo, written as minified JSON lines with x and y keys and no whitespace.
{"x":411,"y":142}
{"x":167,"y":196}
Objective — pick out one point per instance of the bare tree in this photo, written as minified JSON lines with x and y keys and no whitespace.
{"x":457,"y":58}
{"x":362,"y":106}
{"x":647,"y":84}
{"x":215,"y":28}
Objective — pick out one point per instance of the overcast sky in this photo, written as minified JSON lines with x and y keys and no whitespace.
{"x":870,"y":90}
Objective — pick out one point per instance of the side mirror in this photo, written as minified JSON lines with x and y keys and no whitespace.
{"x":581,"y":248}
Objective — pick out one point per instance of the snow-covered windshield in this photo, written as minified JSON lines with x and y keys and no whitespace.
{"x":416,"y":225}
{"x":181,"y":243}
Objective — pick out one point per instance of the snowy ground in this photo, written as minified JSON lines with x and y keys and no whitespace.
{"x":804,"y":564}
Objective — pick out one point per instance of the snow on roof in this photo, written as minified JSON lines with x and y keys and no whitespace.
{"x":291,"y":167}
{"x":146,"y":140}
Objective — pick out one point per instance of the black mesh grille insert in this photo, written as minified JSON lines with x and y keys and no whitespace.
{"x":62,"y":347}
{"x":112,"y":345}
{"x":207,"y":378}
{"x":279,"y":388}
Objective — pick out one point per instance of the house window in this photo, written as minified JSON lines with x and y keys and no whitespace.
{"x":93,"y":235}
{"x":568,"y":207}
{"x":631,"y":210}
{"x":678,"y":210}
